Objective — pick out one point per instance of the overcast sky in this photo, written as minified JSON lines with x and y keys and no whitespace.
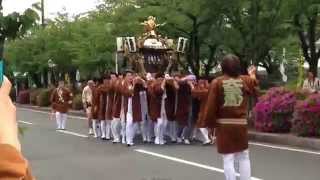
{"x":51,"y":6}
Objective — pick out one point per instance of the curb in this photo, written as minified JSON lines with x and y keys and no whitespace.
{"x":272,"y":138}
{"x":286,"y":140}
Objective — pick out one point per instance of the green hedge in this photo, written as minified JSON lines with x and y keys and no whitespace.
{"x":77,"y":102}
{"x":43,"y":97}
{"x":33,"y":96}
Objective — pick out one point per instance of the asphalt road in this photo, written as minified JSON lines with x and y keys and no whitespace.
{"x":71,"y":155}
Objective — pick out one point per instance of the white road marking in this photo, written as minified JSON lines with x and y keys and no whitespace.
{"x":49,"y":113}
{"x":25,"y":122}
{"x":285,"y":148}
{"x":251,"y":143}
{"x":72,"y":133}
{"x":185,"y":162}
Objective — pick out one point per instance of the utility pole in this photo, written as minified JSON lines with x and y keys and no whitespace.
{"x":42,"y":14}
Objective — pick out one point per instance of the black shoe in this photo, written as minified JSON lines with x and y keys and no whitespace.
{"x":104,"y":139}
{"x":108,"y":139}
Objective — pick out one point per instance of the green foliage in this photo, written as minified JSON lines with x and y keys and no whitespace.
{"x":43,"y":98}
{"x":34,"y":93}
{"x":251,"y":29}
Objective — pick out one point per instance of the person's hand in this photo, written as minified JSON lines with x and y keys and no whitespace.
{"x":252,"y":71}
{"x":8,"y":121}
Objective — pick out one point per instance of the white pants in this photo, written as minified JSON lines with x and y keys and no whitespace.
{"x":173,"y":130}
{"x":205,"y":134}
{"x":106,"y":129}
{"x":130,"y":129}
{"x":61,"y":119}
{"x":244,"y":165}
{"x":94,"y":127}
{"x":115,"y":129}
{"x":147,"y":128}
{"x":160,"y":130}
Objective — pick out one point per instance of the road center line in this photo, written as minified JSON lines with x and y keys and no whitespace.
{"x":72,"y":133}
{"x":251,"y":143}
{"x":185,"y":162}
{"x":25,"y":122}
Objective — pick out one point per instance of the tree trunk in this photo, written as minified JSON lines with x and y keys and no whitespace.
{"x":211,"y":59}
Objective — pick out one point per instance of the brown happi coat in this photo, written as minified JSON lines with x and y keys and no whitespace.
{"x":184,"y":103}
{"x":226,"y":111}
{"x":95,"y":103}
{"x":170,"y":101}
{"x":117,"y":99}
{"x":155,"y":93}
{"x":61,"y":102}
{"x":135,"y":95}
{"x":110,"y":100}
{"x":201,"y":93}
{"x":102,"y":93}
{"x":154,"y":102}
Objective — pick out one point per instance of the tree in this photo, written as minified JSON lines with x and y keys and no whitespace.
{"x":255,"y":26}
{"x":15,"y":25}
{"x":306,"y":18}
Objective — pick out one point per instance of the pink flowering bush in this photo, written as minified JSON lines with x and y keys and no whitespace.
{"x":274,"y":110}
{"x":306,"y":119}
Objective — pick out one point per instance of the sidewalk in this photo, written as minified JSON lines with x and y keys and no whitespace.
{"x":279,"y":139}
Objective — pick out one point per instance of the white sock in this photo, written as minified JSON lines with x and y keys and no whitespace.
{"x":58,"y":120}
{"x":94,"y":127}
{"x":63,"y":120}
{"x":205,"y":134}
{"x":103,"y":129}
{"x":108,"y":129}
{"x":115,"y":129}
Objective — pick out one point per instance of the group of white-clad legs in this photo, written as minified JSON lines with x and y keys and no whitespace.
{"x":124,"y":129}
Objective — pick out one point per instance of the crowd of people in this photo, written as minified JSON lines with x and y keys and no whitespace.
{"x":120,"y":105}
{"x":163,"y":106}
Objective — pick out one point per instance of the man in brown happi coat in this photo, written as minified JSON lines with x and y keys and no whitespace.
{"x":61,"y":100}
{"x":163,"y":92}
{"x":116,"y":111}
{"x":103,"y":92}
{"x":226,"y":111}
{"x":131,"y":90}
{"x":96,"y":92}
